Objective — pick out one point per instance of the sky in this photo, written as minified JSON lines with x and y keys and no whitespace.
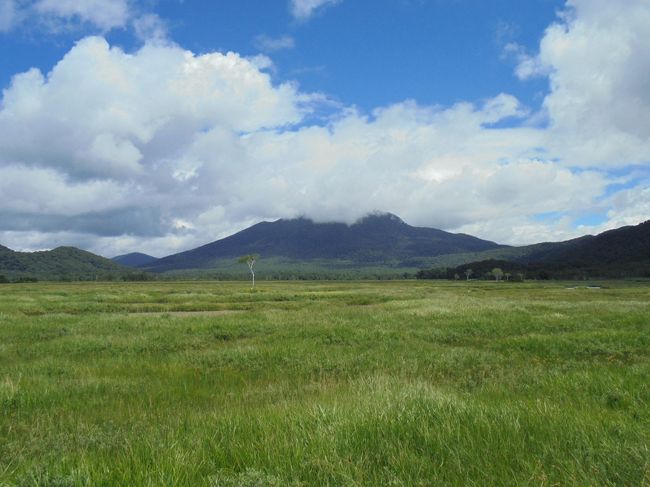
{"x":161,"y":125}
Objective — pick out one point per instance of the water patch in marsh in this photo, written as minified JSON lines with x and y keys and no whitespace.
{"x":217,"y":312}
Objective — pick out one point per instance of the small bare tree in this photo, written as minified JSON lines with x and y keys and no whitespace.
{"x":250,"y":260}
{"x":468,"y":273}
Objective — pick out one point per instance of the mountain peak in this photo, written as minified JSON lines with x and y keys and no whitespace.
{"x":379,"y":216}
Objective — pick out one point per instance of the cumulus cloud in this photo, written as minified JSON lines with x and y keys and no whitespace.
{"x":170,"y":147}
{"x":438,"y":167}
{"x":304,"y":9}
{"x":598,"y":107}
{"x":47,"y":192}
{"x":104,"y":113}
{"x":149,"y":126}
{"x":161,"y":149}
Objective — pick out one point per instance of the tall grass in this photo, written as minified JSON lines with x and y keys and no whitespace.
{"x":366,"y":383}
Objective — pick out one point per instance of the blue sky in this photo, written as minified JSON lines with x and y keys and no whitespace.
{"x":128,"y":126}
{"x":361,"y":53}
{"x":375,"y":53}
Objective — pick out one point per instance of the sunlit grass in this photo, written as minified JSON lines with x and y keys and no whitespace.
{"x":367,"y":383}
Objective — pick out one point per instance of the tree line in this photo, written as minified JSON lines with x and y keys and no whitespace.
{"x":515,"y":271}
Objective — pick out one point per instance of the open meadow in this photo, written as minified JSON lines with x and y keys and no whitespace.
{"x":324,"y":383}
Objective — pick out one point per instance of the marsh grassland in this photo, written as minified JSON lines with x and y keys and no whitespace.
{"x":305,"y":383}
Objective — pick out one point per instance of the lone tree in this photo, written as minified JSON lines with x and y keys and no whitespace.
{"x":468,"y":273}
{"x":250,"y":260}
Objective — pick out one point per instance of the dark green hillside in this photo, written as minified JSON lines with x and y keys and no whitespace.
{"x":620,"y":253}
{"x":625,"y":245}
{"x":62,"y":263}
{"x":374,"y":240}
{"x":624,"y":252}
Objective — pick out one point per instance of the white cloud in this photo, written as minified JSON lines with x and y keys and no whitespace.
{"x":104,"y":113}
{"x":160,"y":130}
{"x":304,"y":9}
{"x":8,"y":15}
{"x":629,"y":207}
{"x":598,"y":57}
{"x":106,"y":14}
{"x":190,"y":147}
{"x":528,"y":66}
{"x":56,"y":16}
{"x":47,"y":192}
{"x":161,"y":149}
{"x":523,"y":230}
{"x":438,"y":167}
{"x":271,"y":44}
{"x":150,"y":28}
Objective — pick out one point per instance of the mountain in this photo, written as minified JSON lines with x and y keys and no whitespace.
{"x":375,"y":246}
{"x":623,"y":252}
{"x":626,"y":245}
{"x":376,"y":240}
{"x":134,"y":259}
{"x":60,"y":263}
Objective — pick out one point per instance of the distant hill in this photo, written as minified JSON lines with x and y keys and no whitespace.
{"x":628,"y":245}
{"x":376,"y":240}
{"x":60,"y":263}
{"x":134,"y":259}
{"x":623,"y":252}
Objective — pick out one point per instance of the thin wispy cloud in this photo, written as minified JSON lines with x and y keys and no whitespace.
{"x":63,"y":16}
{"x":104,"y":14}
{"x":150,"y":28}
{"x":272,"y":44}
{"x":305,"y":9}
{"x":8,"y":15}
{"x":528,"y":66}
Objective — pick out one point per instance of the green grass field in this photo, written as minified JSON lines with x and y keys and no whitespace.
{"x":304,"y":383}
